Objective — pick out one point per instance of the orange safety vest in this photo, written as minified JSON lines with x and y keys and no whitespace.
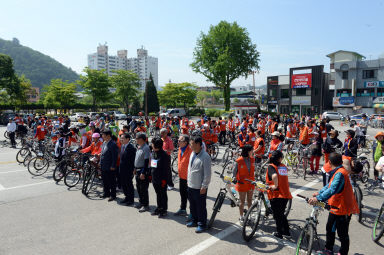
{"x":262,"y":150}
{"x":250,"y":121}
{"x":231,"y":127}
{"x":291,"y":133}
{"x":206,"y":135}
{"x":241,"y":143}
{"x":244,"y":173}
{"x":345,"y":201}
{"x":283,"y":185}
{"x":304,"y":138}
{"x":252,"y":138}
{"x":183,"y":162}
{"x":323,"y":132}
{"x":237,"y":122}
{"x":274,"y":145}
{"x":94,"y":148}
{"x":261,"y":126}
{"x":245,"y":124}
{"x":191,"y":125}
{"x":222,"y":124}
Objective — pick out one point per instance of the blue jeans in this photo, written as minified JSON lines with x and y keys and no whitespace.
{"x":198,"y":206}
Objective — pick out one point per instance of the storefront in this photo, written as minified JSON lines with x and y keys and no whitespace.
{"x":378,"y":105}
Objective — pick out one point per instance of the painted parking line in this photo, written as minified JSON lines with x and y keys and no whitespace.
{"x":2,"y":188}
{"x":229,"y":230}
{"x":15,"y":171}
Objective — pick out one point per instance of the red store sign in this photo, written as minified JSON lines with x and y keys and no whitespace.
{"x":301,"y":81}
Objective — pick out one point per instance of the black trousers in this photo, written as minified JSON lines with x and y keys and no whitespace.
{"x":161,"y":197}
{"x":142,"y":189}
{"x":12,"y":137}
{"x":278,"y":207}
{"x":183,"y":186}
{"x":341,"y":224}
{"x":222,"y":137}
{"x":109,"y":183}
{"x":126,"y":182}
{"x":198,"y":206}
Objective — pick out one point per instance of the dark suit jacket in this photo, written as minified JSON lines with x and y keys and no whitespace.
{"x":127,"y":160}
{"x":109,"y":153}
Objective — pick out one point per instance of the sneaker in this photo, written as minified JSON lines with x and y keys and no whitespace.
{"x":201,"y":229}
{"x":144,"y":209}
{"x":191,"y":224}
{"x":278,"y":235}
{"x":241,"y":219}
{"x":170,"y":188}
{"x":138,"y":206}
{"x":180,"y":212}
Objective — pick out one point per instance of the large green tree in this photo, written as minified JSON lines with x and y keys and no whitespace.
{"x":96,"y":84}
{"x":7,"y":73}
{"x":224,"y":54}
{"x":59,"y":94}
{"x":127,"y":85}
{"x":178,"y":95}
{"x":153,"y":100}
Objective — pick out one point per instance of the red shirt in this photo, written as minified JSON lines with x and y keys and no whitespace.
{"x":168,"y":145}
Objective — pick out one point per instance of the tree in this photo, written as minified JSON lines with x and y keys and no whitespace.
{"x":153,"y":100}
{"x":127,"y":84}
{"x":59,"y":94}
{"x":7,"y":73}
{"x":225,"y":54}
{"x":202,"y":97}
{"x":178,"y":94}
{"x":96,"y":84}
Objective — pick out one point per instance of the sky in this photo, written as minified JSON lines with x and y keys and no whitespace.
{"x":288,"y":33}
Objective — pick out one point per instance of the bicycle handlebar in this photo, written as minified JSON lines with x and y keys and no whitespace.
{"x":319,"y":203}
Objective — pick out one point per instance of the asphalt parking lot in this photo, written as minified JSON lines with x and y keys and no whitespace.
{"x":42,"y":217}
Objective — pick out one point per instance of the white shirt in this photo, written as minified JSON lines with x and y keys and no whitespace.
{"x":358,"y":131}
{"x":11,"y":127}
{"x":380,"y":163}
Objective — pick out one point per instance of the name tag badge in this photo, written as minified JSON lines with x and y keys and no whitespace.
{"x":154,"y":163}
{"x":282,"y":170}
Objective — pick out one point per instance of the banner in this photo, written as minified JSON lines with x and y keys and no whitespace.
{"x":343,"y":101}
{"x":301,"y":81}
{"x":272,"y":80}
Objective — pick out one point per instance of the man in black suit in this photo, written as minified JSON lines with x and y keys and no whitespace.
{"x":108,"y":160}
{"x":127,"y":165}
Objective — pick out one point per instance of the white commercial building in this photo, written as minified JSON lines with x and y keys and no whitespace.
{"x":143,"y":65}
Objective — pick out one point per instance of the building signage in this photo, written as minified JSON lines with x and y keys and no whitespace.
{"x":273,"y":80}
{"x":378,"y":100}
{"x":301,"y":81}
{"x":304,"y":100}
{"x":373,"y":84}
{"x":343,"y":101}
{"x":272,"y":102}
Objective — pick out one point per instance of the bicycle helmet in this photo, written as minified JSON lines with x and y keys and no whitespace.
{"x":96,"y":135}
{"x":92,"y":124}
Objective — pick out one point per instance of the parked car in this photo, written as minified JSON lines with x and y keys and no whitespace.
{"x":75,"y":117}
{"x":92,"y":115}
{"x":377,"y":116}
{"x":180,"y":112}
{"x":355,"y":118}
{"x":118,"y":115}
{"x":4,"y":117}
{"x":333,"y":116}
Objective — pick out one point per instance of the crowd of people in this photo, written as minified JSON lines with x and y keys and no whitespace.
{"x":134,"y":153}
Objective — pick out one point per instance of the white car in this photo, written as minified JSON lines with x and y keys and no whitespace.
{"x":179,"y":112}
{"x":75,"y":117}
{"x":118,"y":115}
{"x":333,"y":116}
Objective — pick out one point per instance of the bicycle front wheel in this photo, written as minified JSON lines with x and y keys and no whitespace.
{"x":21,"y":154}
{"x":251,"y":220}
{"x":215,"y":151}
{"x":72,"y":178}
{"x":174,"y":169}
{"x":38,"y":166}
{"x":90,"y":182}
{"x":358,"y":198}
{"x":216,"y":208}
{"x":378,"y":227}
{"x":305,"y":240}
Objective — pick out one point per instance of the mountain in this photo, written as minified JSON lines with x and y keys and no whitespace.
{"x":36,"y":66}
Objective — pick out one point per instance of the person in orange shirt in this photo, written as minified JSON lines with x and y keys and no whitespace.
{"x":237,"y":122}
{"x":278,"y":192}
{"x":251,"y":135}
{"x":244,"y":169}
{"x":41,"y":131}
{"x":339,"y":195}
{"x":191,"y":125}
{"x":185,"y":128}
{"x":276,"y":144}
{"x":245,"y":123}
{"x":304,"y":134}
{"x":261,"y":126}
{"x":215,"y":132}
{"x":231,"y":127}
{"x":183,"y":157}
{"x":243,"y":137}
{"x":140,"y":128}
{"x":259,"y":147}
{"x":95,"y":147}
{"x":223,"y":129}
{"x":206,"y":134}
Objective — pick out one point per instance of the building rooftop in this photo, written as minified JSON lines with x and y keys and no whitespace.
{"x":354,"y":52}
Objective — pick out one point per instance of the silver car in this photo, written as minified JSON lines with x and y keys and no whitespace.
{"x":333,"y":115}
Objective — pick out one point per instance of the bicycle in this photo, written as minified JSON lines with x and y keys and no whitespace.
{"x":303,"y":159}
{"x":308,"y":233}
{"x":213,"y":150}
{"x":378,"y":227}
{"x":358,"y":195}
{"x":253,"y":215}
{"x":229,"y":192}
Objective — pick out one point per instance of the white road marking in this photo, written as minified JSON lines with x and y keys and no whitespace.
{"x":8,"y":172}
{"x":229,"y":230}
{"x":23,"y":186}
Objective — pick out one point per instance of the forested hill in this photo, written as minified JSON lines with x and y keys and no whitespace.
{"x":37,"y":67}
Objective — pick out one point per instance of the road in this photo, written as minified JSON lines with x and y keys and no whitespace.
{"x":41,"y":217}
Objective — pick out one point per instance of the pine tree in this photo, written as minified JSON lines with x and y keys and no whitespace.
{"x":153,"y":101}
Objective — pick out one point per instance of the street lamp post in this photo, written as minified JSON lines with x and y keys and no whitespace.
{"x":253,"y":83}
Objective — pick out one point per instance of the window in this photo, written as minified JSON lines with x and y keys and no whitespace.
{"x":344,"y":75}
{"x":380,"y":92}
{"x":366,"y":92}
{"x":368,"y":74}
{"x":273,"y":92}
{"x":284,"y":93}
{"x":301,"y":92}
